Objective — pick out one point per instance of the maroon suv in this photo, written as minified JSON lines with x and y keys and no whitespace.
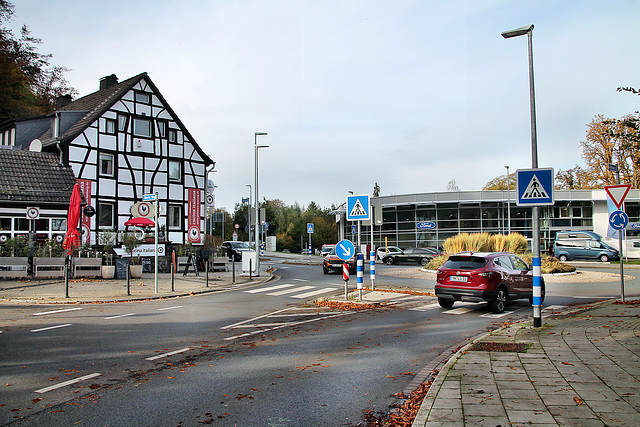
{"x":495,"y":277}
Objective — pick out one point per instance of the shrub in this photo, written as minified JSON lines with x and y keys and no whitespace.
{"x":516,"y":243}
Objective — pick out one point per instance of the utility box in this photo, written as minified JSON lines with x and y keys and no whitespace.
{"x":271,"y":244}
{"x":246,"y":257}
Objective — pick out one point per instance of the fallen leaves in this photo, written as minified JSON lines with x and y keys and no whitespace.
{"x":347,"y":306}
{"x":578,"y":401}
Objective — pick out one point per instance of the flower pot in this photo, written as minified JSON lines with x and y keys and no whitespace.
{"x":136,"y":271}
{"x":108,"y":271}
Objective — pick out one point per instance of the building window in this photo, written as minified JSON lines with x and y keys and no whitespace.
{"x":174,"y":216}
{"x":123,"y":121}
{"x":175,"y":173}
{"x":162,"y":129}
{"x":105,"y":215}
{"x":106,"y":164}
{"x":173,"y":135}
{"x":142,"y":127}
{"x":143,"y":97}
{"x":110,"y":126}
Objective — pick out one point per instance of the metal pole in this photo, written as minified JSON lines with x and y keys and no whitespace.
{"x":66,"y":277}
{"x":172,"y":277}
{"x":508,"y":202}
{"x":129,"y":279}
{"x":156,"y":244}
{"x":256,"y":231}
{"x":249,"y":212}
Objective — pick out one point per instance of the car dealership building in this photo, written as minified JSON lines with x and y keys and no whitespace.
{"x":428,"y":219}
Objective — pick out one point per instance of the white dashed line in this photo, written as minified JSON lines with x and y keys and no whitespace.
{"x":51,"y":327}
{"x":118,"y":316}
{"x":66,"y":383}
{"x":56,"y":311}
{"x":171,"y":353}
{"x":170,"y":308}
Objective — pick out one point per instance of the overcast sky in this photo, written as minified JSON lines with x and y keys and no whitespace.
{"x":408,"y":93}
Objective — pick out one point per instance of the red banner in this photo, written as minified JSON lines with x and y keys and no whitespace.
{"x":195,"y":206}
{"x":85,"y":189}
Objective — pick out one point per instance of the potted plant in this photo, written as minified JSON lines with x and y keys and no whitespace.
{"x":107,"y":239}
{"x":130,"y":242}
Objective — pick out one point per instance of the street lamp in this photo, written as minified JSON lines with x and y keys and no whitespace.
{"x":508,"y":202}
{"x":257,"y":201}
{"x":537,"y":284}
{"x":249,"y":212}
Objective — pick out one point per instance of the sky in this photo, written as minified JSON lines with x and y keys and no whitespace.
{"x":411,"y":94}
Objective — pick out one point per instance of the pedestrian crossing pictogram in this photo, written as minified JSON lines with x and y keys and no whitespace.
{"x":535,"y":190}
{"x":358,"y":209}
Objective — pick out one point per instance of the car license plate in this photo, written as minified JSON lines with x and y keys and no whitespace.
{"x":336,"y":265}
{"x":458,"y":278}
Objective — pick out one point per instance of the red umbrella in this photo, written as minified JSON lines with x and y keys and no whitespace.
{"x":72,"y":238}
{"x":140,"y":222}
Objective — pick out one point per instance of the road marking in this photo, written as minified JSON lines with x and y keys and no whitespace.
{"x":425,"y":307}
{"x":66,"y":383}
{"x":253,"y":319}
{"x":461,"y":310}
{"x":312,"y":293}
{"x":51,"y":327}
{"x":270,"y":288}
{"x":118,"y":316}
{"x":171,"y":353}
{"x":554,"y":307}
{"x":170,"y":308}
{"x":284,"y":325}
{"x":56,"y":311}
{"x":496,"y":316}
{"x":290,"y":291}
{"x":300,"y":280}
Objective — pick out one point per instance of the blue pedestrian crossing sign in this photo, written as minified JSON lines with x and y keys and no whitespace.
{"x":309,"y":227}
{"x":534,"y":186}
{"x":358,"y":207}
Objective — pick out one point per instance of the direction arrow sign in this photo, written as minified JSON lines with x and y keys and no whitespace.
{"x":345,"y":250}
{"x":617,"y":193}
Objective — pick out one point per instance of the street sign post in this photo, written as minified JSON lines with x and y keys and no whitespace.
{"x":358,"y":209}
{"x":345,"y":250}
{"x":617,"y":193}
{"x":310,"y":231}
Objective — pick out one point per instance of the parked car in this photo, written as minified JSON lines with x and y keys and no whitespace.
{"x":420,"y":255}
{"x":494,"y":277}
{"x":332,"y":262}
{"x":571,"y":245}
{"x":382,"y":251}
{"x":233,"y":250}
{"x":326,"y":249}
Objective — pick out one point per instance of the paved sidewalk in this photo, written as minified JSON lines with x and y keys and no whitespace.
{"x":580,"y":368}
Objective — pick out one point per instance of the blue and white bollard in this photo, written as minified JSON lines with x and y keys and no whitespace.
{"x":372,"y":268}
{"x":360,"y":272}
{"x":537,"y":292}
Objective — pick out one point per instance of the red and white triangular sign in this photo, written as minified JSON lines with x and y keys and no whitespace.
{"x":617,"y":193}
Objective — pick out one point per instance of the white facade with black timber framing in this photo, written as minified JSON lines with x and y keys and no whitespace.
{"x":125,"y":141}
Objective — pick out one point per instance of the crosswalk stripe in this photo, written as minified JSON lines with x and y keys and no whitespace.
{"x":461,"y":310}
{"x":290,"y":291}
{"x":312,"y":293}
{"x":271,"y":288}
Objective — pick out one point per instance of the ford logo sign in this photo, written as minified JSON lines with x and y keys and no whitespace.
{"x":425,"y":225}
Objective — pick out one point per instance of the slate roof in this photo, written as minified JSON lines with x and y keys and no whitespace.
{"x":33,"y":178}
{"x":97,"y":103}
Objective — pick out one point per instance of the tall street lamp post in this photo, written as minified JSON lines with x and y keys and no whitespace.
{"x":508,"y":202}
{"x":256,"y":231}
{"x":249,"y":212}
{"x":537,"y":281}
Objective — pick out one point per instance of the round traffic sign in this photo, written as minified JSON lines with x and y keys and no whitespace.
{"x":345,"y":250}
{"x":33,"y":213}
{"x":618,"y":220}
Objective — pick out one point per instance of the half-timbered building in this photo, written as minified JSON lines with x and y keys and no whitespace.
{"x":122,"y":142}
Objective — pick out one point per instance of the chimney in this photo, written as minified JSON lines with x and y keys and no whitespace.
{"x":107,"y":81}
{"x":62,"y":101}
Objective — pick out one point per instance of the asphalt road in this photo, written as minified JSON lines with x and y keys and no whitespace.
{"x":255,"y":355}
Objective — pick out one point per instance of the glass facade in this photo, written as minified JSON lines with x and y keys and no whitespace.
{"x":400,"y":222}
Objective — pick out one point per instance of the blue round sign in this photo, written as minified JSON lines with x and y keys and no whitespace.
{"x":345,"y":250}
{"x":618,"y":220}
